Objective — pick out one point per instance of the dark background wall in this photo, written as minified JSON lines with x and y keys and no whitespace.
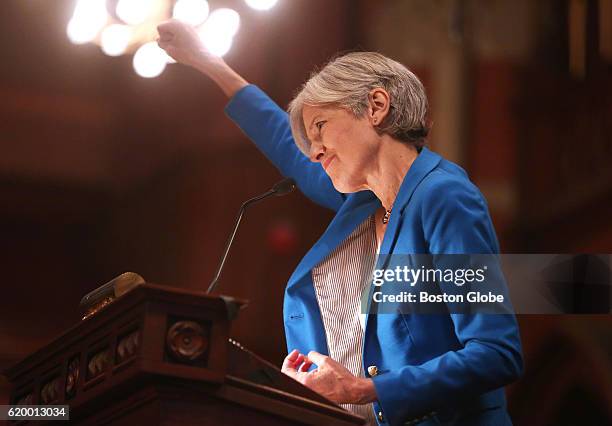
{"x":102,"y":171}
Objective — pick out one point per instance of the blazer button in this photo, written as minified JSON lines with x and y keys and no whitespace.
{"x":373,"y":370}
{"x":381,"y":418}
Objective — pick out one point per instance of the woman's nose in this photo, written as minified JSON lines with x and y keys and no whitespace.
{"x":317,"y":151}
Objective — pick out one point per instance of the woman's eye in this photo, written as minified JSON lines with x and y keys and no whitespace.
{"x":320,"y":125}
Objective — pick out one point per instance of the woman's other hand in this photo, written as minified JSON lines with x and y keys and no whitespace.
{"x":331,"y":379}
{"x":294,"y":364}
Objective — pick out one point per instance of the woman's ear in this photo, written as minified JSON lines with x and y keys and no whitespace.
{"x":379,"y":105}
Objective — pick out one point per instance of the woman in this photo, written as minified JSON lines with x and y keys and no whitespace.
{"x":353,"y":141}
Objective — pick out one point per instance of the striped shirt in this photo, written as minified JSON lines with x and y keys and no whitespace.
{"x":339,"y":282}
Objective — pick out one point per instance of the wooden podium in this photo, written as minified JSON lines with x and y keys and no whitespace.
{"x":162,"y":356}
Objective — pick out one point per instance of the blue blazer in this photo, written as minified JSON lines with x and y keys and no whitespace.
{"x":433,"y":369}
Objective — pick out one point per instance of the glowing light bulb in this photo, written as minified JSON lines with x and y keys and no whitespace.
{"x":149,"y":60}
{"x":87,"y":20}
{"x":261,"y":4}
{"x":217,"y":45}
{"x":134,"y":12}
{"x":226,"y":21}
{"x":115,"y":39}
{"x":193,"y":12}
{"x":218,"y":31}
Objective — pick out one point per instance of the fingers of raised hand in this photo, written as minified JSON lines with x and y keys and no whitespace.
{"x":173,"y":29}
{"x":170,"y":26}
{"x":165,"y":35}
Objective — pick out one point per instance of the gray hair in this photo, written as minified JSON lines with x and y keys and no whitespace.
{"x":346,"y":82}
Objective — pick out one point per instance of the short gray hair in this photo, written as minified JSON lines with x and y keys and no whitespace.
{"x":346,"y":81}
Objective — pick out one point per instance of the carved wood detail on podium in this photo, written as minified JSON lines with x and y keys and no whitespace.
{"x":186,"y":341}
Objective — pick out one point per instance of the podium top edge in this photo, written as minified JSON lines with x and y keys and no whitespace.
{"x":152,"y":288}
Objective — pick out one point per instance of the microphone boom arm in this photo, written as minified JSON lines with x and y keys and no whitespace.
{"x":281,"y":188}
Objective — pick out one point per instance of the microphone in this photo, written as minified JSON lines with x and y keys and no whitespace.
{"x":283,"y":187}
{"x":95,"y":300}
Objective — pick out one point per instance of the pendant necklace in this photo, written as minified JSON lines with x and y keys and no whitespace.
{"x":385,"y":218}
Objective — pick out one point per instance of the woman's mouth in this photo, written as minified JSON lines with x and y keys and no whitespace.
{"x":327,"y":162}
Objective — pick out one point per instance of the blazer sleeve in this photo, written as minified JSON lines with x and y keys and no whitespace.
{"x":456,"y":221}
{"x":267,"y":125}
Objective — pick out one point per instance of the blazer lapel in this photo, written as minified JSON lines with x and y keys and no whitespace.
{"x":425,"y":162}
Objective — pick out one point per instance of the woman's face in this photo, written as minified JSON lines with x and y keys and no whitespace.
{"x":345,"y":146}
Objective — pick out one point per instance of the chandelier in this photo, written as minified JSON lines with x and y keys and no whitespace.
{"x":130,"y":27}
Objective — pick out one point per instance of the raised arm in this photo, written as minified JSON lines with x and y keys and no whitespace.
{"x":263,"y":121}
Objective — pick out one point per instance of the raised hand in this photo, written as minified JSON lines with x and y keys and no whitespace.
{"x":182,"y":42}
